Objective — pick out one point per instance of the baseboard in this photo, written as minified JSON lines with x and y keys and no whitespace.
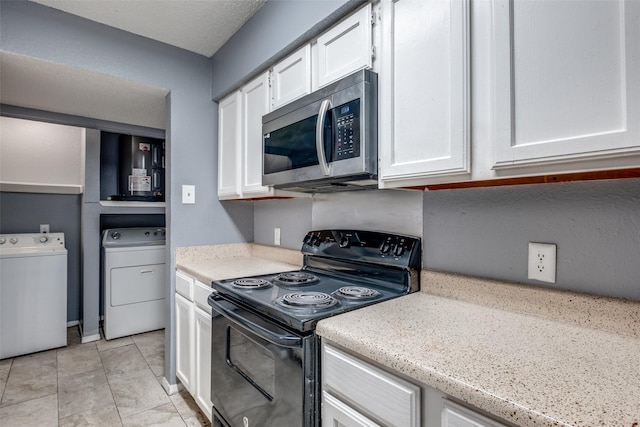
{"x":73,"y":323}
{"x":171,"y":388}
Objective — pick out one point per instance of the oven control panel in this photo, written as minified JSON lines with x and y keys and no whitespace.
{"x":364,"y":246}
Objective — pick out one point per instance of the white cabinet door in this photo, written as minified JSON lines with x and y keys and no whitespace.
{"x":229,"y":139}
{"x":291,"y":77}
{"x":337,"y":414}
{"x":202,"y":352}
{"x":345,"y":48}
{"x":392,"y":400}
{"x":424,"y":99}
{"x":566,"y":83}
{"x":455,"y":415}
{"x":255,"y":104}
{"x":184,"y":342}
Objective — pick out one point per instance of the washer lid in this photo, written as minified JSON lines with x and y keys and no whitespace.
{"x":133,"y":236}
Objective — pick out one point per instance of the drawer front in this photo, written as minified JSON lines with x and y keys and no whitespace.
{"x":376,"y":393}
{"x":200,"y":294}
{"x":184,"y":285}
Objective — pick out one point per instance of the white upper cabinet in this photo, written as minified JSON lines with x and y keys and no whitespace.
{"x":291,"y":77}
{"x":566,"y":84}
{"x":255,"y":104}
{"x":240,"y":141}
{"x":229,"y":138}
{"x":344,"y":49}
{"x":424,"y":99}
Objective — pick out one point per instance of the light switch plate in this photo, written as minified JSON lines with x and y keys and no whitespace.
{"x":188,"y":194}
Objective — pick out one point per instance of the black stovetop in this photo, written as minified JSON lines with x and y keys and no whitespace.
{"x":369,"y":267}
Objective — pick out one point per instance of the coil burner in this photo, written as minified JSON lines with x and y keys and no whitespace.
{"x":356,"y":293}
{"x":251,"y":283}
{"x":295,"y":278}
{"x":302,"y":300}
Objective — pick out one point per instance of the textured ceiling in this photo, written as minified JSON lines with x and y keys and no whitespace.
{"x":200,"y":26}
{"x":42,"y":85}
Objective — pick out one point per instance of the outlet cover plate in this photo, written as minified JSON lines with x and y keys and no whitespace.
{"x":542,"y":262}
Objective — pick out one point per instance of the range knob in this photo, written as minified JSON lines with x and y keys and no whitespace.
{"x":44,"y":239}
{"x":399,"y":249}
{"x":315,"y":240}
{"x":385,"y":247}
{"x":115,"y":235}
{"x":13,"y":240}
{"x":3,"y":240}
{"x":344,"y":242}
{"x":307,"y":239}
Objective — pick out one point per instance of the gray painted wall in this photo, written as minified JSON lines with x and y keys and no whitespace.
{"x":293,"y":217}
{"x":380,"y":210}
{"x":485,"y":232}
{"x":37,"y":31}
{"x":24,"y":212}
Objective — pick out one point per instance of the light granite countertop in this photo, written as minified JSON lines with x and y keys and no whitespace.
{"x":219,"y":262}
{"x":531,"y":356}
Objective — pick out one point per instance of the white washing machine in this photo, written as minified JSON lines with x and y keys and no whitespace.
{"x":33,"y":293}
{"x":134,"y":280}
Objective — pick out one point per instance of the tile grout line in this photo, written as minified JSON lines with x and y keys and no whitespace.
{"x":109,"y":384}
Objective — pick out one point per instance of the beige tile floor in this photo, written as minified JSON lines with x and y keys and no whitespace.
{"x":103,"y":383}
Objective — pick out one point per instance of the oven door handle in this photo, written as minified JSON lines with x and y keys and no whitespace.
{"x":290,"y":340}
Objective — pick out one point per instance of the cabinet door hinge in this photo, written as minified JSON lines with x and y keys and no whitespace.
{"x":269,"y":81}
{"x":373,"y":52}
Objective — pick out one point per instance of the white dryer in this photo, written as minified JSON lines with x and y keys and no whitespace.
{"x":33,"y":293}
{"x":134,"y":280}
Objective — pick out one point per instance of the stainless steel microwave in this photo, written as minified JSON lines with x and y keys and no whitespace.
{"x":326,"y":141}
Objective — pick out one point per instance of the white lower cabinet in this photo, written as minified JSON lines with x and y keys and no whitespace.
{"x":184,"y":352}
{"x":202,"y":393}
{"x":338,"y":414}
{"x":358,"y":394}
{"x":193,"y":339}
{"x":455,"y":415}
{"x":355,"y":393}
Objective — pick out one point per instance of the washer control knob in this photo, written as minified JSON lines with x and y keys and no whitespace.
{"x":3,"y":240}
{"x":44,"y":239}
{"x":115,"y":235}
{"x":13,"y":240}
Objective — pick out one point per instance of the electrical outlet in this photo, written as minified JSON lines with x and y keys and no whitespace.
{"x":542,"y":262}
{"x":44,"y":228}
{"x":276,"y":236}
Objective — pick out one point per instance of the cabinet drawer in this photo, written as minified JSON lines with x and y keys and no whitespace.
{"x":200,"y":294}
{"x":184,"y":285}
{"x":390,"y":400}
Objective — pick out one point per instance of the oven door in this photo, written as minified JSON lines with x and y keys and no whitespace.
{"x":261,"y":374}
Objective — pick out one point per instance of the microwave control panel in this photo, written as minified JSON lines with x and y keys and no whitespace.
{"x":347,"y":131}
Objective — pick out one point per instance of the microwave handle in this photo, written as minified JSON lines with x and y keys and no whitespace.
{"x":324,"y":107}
